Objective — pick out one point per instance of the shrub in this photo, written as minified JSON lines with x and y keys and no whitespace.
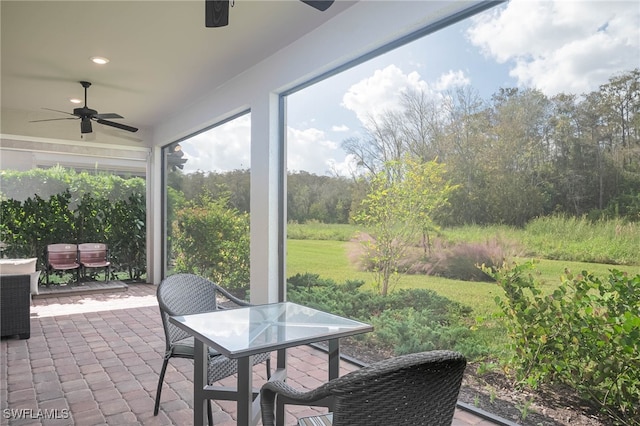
{"x":212,"y":240}
{"x":407,"y":320}
{"x":26,"y":228}
{"x":58,"y":205}
{"x":585,"y":335}
{"x":462,"y":260}
{"x":459,"y":261}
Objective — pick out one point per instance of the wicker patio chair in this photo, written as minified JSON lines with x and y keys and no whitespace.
{"x":415,"y":389}
{"x":185,"y":294}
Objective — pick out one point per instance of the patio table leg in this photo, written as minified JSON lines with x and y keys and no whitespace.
{"x":281,"y":364}
{"x":200,"y":379}
{"x":334,"y":363}
{"x":245,"y":391}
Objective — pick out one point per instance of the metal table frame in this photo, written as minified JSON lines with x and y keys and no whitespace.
{"x":244,"y":332}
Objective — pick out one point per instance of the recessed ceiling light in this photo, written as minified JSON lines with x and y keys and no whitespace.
{"x":75,"y":100}
{"x":99,"y":60}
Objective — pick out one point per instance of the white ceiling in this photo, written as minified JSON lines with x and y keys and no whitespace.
{"x":162,"y":57}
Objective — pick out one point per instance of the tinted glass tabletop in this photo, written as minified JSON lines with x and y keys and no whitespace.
{"x":261,"y":328}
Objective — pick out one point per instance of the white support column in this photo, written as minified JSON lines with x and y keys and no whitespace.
{"x":154,"y":216}
{"x":265,"y":178}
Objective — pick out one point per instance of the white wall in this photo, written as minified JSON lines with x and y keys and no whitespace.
{"x":359,"y":30}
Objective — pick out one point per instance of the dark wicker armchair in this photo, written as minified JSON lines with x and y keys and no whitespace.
{"x":185,"y":294}
{"x":415,"y":389}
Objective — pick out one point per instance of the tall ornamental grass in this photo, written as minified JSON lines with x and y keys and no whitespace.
{"x":612,"y":241}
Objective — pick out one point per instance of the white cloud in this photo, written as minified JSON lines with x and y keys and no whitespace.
{"x":380,"y":92}
{"x":561,"y":46}
{"x":310,"y":150}
{"x":227,"y":147}
{"x":341,"y":128}
{"x":221,"y":149}
{"x":451,"y":80}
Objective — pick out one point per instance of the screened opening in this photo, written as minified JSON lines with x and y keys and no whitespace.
{"x":207,"y":202}
{"x":427,"y":182}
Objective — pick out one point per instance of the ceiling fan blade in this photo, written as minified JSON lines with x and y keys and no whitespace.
{"x":107,"y":115}
{"x":216,"y":13}
{"x":321,"y":5}
{"x":117,"y":125}
{"x":53,"y":119}
{"x":57,"y":110}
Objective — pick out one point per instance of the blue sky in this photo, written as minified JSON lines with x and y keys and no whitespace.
{"x":569,"y":46}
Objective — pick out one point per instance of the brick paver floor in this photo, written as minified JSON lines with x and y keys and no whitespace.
{"x":94,"y":359}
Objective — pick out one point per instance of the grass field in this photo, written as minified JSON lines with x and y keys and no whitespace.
{"x":329,"y":258}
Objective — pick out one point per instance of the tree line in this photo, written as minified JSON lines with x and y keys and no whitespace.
{"x":514,"y":157}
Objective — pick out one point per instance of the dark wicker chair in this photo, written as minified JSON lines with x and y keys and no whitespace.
{"x":185,"y":294}
{"x":15,"y":305}
{"x":415,"y":389}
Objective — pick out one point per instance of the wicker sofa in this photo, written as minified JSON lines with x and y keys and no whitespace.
{"x":15,"y":305}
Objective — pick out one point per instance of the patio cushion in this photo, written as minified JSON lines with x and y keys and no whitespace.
{"x":21,"y":267}
{"x":17,"y":266}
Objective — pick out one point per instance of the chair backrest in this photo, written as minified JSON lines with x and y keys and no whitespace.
{"x":92,"y":252}
{"x":414,"y":389}
{"x":184,"y":294}
{"x":61,"y":254}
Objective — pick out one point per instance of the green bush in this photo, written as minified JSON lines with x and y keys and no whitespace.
{"x":585,"y":335}
{"x":27,"y":227}
{"x":128,"y":235}
{"x":405,"y":321}
{"x":460,"y":261}
{"x":212,"y":239}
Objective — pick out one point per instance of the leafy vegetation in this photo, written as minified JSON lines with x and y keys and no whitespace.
{"x":398,"y":205}
{"x":405,"y":321}
{"x":586,"y":334}
{"x":211,"y":239}
{"x":578,"y":330}
{"x":27,"y":227}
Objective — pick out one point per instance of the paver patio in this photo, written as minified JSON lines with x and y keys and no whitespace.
{"x":94,"y":359}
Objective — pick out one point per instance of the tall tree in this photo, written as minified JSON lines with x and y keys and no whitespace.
{"x":622,"y":98}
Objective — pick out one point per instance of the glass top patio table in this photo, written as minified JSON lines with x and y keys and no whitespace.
{"x":262,"y":328}
{"x":243,"y":332}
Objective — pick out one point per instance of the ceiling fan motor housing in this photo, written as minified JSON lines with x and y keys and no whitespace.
{"x":84,"y":112}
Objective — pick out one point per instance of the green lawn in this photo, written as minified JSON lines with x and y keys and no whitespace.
{"x":329,"y":259}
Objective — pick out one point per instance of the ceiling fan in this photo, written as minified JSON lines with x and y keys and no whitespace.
{"x":217,"y":11}
{"x":86,"y":114}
